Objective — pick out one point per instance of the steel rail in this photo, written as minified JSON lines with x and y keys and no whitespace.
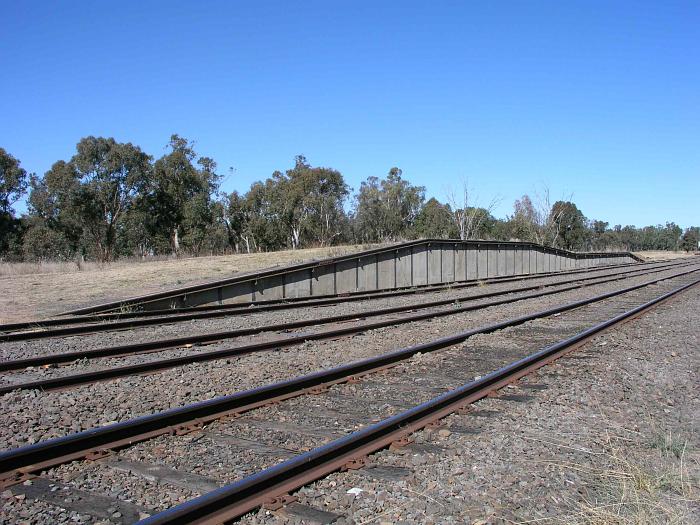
{"x":241,"y":497}
{"x":33,"y":330}
{"x":73,"y":380}
{"x":91,"y":329}
{"x":15,"y":464}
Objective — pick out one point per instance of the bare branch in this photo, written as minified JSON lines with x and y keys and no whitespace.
{"x":466,"y":214}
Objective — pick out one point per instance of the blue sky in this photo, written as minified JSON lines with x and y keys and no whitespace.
{"x":596,"y":99}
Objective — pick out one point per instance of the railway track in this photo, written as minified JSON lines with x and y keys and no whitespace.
{"x":78,"y":325}
{"x":455,"y":306}
{"x":260,"y":439}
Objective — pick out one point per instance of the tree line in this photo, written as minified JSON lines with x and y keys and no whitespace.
{"x":112,"y":199}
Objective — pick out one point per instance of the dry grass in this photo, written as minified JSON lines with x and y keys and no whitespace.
{"x":635,"y":480}
{"x":658,"y":255}
{"x":643,"y":485}
{"x":9,"y":269}
{"x":32,"y":291}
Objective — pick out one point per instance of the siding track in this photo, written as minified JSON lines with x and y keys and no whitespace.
{"x":116,"y":321}
{"x":454,"y":305}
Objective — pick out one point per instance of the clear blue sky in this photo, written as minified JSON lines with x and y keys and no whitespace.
{"x":596,"y":99}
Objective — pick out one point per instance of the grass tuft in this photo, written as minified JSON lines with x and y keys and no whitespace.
{"x":670,"y":444}
{"x":642,"y":488}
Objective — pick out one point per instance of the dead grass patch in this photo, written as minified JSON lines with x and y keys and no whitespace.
{"x":636,"y":480}
{"x":30,"y":291}
{"x":660,"y":255}
{"x":642,"y":488}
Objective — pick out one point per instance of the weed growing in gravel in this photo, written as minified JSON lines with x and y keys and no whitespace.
{"x":126,"y":309}
{"x":669,"y":444}
{"x":641,"y":488}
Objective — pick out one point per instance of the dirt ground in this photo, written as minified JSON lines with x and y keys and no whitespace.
{"x":29,"y":293}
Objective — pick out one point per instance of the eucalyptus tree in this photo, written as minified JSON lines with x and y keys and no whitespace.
{"x":310,"y":201}
{"x":250,"y":219}
{"x":13,"y":181}
{"x":569,"y":226}
{"x":179,"y":193}
{"x":55,"y":223}
{"x":111,"y":175}
{"x":524,"y":221}
{"x":386,"y":209}
{"x":370,"y":221}
{"x":13,"y":184}
{"x":691,"y":239}
{"x":435,"y":220}
{"x":670,"y":236}
{"x":469,"y":217}
{"x":235,"y":216}
{"x":598,"y":236}
{"x":265,"y":229}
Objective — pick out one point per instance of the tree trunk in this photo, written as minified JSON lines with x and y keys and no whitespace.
{"x":175,"y":241}
{"x":295,"y":237}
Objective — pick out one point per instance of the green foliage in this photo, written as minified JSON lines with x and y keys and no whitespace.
{"x":435,"y":221}
{"x":53,"y":205}
{"x":309,"y":202}
{"x":111,"y":176}
{"x":13,"y":184}
{"x":178,"y":196}
{"x":569,"y":226}
{"x":265,"y":229}
{"x":386,"y":209}
{"x":13,"y":181}
{"x":523,"y":224}
{"x":43,"y":243}
{"x":691,"y":239}
{"x":11,"y":231}
{"x":111,"y":199}
{"x":660,"y":237}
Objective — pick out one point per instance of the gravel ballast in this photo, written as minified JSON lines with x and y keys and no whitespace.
{"x":30,"y":416}
{"x":337,"y":415}
{"x":567,"y":445}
